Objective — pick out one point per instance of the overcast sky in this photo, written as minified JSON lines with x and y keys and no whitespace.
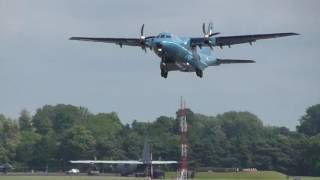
{"x":39,"y":65}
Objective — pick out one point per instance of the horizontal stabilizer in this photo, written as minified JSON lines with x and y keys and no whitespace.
{"x":232,"y":61}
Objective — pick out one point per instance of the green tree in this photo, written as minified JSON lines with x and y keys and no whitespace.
{"x":58,"y":118}
{"x":104,"y":124}
{"x":25,"y":123}
{"x":60,"y":133}
{"x":26,"y":148}
{"x":44,"y":152}
{"x":242,"y":130}
{"x":9,"y":139}
{"x":164,"y":138}
{"x":42,"y":121}
{"x":105,"y":128}
{"x":310,"y":122}
{"x":78,"y":143}
{"x":131,"y":144}
{"x":312,"y":155}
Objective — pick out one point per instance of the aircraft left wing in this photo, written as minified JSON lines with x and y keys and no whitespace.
{"x":233,"y":61}
{"x":104,"y":162}
{"x":118,"y":41}
{"x":232,"y":40}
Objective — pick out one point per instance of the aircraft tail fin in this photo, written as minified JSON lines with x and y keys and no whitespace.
{"x":146,"y":154}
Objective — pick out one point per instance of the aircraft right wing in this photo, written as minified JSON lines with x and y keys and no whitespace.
{"x":119,"y":41}
{"x":104,"y":162}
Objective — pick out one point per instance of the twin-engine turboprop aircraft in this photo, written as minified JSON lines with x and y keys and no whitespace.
{"x":181,"y":53}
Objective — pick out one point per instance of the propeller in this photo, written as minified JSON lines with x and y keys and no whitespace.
{"x":208,"y":33}
{"x":141,"y":33}
{"x":143,"y":39}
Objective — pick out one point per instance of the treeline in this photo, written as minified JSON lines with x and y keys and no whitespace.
{"x":56,"y":134}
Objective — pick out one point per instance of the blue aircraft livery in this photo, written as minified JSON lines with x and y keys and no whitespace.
{"x":187,"y":54}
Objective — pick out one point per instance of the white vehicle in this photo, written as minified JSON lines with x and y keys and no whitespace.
{"x":73,"y":171}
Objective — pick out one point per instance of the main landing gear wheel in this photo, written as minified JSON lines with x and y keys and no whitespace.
{"x":164,"y":73}
{"x":199,"y":73}
{"x":163,"y":68}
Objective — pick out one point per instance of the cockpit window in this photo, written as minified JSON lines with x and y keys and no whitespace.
{"x":165,"y":36}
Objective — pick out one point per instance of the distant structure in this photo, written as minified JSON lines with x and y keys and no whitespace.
{"x":182,"y":173}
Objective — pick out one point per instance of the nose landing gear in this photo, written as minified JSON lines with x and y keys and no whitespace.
{"x":199,"y":73}
{"x":164,"y":70}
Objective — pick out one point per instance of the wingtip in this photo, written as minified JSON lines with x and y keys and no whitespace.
{"x":294,"y":34}
{"x":249,"y":61}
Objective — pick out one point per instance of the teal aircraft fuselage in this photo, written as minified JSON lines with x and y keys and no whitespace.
{"x":177,"y":54}
{"x":187,"y":54}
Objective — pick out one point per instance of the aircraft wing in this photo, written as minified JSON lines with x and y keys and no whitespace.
{"x":164,"y":162}
{"x":118,"y":41}
{"x":119,"y":162}
{"x":104,"y":162}
{"x":232,"y":40}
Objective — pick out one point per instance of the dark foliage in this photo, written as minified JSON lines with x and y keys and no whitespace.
{"x":57,"y":134}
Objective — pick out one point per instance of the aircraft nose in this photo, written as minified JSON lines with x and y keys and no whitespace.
{"x":159,"y":46}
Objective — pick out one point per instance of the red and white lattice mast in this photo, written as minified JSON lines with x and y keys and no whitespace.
{"x":182,"y":116}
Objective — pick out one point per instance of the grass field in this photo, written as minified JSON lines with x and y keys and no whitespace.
{"x":270,"y":175}
{"x":205,"y":175}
